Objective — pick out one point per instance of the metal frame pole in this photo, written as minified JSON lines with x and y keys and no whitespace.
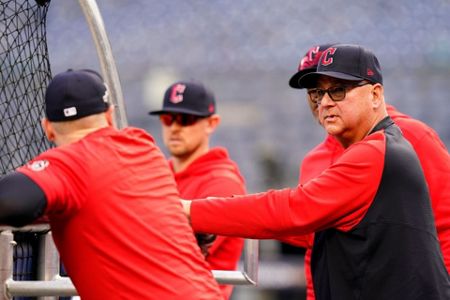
{"x":6,"y":261}
{"x":107,"y":63}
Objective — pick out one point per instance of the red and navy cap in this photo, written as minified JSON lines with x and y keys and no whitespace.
{"x":75,"y":94}
{"x":347,"y":62}
{"x":188,"y":97}
{"x":308,"y":63}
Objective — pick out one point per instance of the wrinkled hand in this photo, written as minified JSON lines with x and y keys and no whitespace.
{"x":205,"y":241}
{"x":186,"y":207}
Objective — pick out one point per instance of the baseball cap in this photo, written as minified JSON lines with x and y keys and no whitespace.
{"x":75,"y":94}
{"x":347,"y":62}
{"x":308,"y":63}
{"x":188,"y":97}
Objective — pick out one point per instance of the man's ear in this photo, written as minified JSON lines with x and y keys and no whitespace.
{"x":48,"y":129}
{"x":377,"y":95}
{"x":110,"y":115}
{"x":213,"y":122}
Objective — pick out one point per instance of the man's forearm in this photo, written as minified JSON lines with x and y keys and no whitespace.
{"x":21,"y":200}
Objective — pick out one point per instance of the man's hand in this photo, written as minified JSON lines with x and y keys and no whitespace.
{"x":186,"y":207}
{"x":205,"y":242}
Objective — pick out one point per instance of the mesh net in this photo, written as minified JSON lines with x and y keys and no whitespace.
{"x":25,"y":72}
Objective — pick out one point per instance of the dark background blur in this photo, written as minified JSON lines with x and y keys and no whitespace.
{"x":246,"y":51}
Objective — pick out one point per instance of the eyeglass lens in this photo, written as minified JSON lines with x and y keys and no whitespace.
{"x":181,"y":119}
{"x":336,"y":93}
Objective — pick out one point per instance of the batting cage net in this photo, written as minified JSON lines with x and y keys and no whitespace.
{"x":25,"y":72}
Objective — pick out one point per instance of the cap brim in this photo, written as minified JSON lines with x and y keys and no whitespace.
{"x":294,"y":82}
{"x":179,"y":111}
{"x":309,"y":79}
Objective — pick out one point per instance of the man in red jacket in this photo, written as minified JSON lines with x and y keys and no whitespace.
{"x":188,"y":119}
{"x":431,"y":151}
{"x":370,"y":211}
{"x":111,"y":201}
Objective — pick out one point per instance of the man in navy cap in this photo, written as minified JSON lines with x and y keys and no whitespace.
{"x":111,"y":201}
{"x":430,"y":150}
{"x":370,"y":212}
{"x":189,"y":118}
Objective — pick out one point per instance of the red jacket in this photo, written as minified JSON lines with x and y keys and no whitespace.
{"x":435,"y":162}
{"x":116,"y":219}
{"x":215,"y":174}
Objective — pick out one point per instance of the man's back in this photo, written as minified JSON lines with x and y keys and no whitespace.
{"x":116,"y":213}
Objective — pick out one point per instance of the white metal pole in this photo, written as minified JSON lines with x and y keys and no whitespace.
{"x":107,"y":63}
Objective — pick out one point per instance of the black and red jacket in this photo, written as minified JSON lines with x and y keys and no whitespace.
{"x":375,"y":233}
{"x":435,"y":162}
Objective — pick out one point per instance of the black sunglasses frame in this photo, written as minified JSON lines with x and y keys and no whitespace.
{"x":336,"y":93}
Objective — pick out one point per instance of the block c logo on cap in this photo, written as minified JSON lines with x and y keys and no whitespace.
{"x":310,"y":59}
{"x":176,"y":95}
{"x":327,"y":57}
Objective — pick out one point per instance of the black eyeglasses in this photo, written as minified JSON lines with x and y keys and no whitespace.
{"x":181,"y":119}
{"x":336,"y":93}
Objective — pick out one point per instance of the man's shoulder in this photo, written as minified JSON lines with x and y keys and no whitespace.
{"x":415,"y":130}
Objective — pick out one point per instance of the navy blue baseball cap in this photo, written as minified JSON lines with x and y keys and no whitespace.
{"x":188,"y":97}
{"x":308,"y":63}
{"x":347,"y":62}
{"x":75,"y":94}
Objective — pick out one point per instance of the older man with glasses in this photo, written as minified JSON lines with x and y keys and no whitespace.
{"x":431,"y":151}
{"x":370,"y":212}
{"x":188,"y":119}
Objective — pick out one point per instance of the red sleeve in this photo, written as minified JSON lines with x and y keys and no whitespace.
{"x":303,"y":241}
{"x":52,"y":173}
{"x":338,"y":198}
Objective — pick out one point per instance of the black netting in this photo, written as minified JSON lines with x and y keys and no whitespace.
{"x":25,"y":72}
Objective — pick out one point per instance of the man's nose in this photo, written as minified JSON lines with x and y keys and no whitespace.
{"x":175,"y":125}
{"x":326,"y":100}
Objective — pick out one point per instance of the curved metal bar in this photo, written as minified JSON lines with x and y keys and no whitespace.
{"x":251,"y":261}
{"x":107,"y":63}
{"x":28,"y":228}
{"x":63,"y":286}
{"x":60,"y":286}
